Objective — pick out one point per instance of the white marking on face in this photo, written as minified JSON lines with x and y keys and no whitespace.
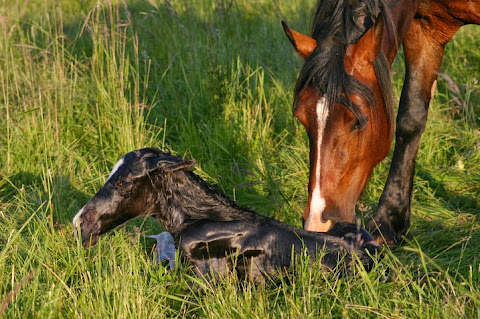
{"x":75,"y":219}
{"x":317,"y":202}
{"x":115,"y":168}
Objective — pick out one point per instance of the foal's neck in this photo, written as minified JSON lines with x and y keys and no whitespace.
{"x":185,"y":197}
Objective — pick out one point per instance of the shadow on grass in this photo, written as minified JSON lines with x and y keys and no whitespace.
{"x":451,"y":245}
{"x":28,"y":189}
{"x":453,"y":201}
{"x":202,"y":70}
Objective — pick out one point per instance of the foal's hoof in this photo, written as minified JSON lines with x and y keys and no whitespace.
{"x":360,"y":240}
{"x":353,"y":234}
{"x":165,"y":249}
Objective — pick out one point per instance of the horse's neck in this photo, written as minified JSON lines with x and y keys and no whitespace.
{"x":188,"y":197}
{"x":398,"y":21}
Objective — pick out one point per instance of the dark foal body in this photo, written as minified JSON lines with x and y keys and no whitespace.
{"x":259,"y":245}
{"x":211,"y":231}
{"x":356,"y":42}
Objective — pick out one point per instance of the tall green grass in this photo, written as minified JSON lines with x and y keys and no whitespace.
{"x":82,"y":83}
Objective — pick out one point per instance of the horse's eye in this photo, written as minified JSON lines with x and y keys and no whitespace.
{"x":357,"y":125}
{"x":360,"y":124}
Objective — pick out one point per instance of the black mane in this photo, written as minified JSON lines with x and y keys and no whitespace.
{"x":337,"y":24}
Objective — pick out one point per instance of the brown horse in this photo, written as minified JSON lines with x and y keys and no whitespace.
{"x":343,"y":99}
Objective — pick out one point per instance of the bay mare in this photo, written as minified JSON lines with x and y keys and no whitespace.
{"x":343,"y":98}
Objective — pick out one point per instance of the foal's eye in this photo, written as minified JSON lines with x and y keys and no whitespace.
{"x":124,"y":184}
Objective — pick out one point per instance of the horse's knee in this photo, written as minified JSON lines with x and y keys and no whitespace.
{"x":411,"y":122}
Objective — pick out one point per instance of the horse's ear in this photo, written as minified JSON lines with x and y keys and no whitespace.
{"x":173,"y":167}
{"x":303,"y":44}
{"x":364,"y":52}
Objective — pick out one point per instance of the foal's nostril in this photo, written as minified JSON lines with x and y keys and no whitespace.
{"x":77,"y":227}
{"x":89,"y":240}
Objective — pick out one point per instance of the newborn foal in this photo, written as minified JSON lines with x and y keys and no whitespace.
{"x":210,"y":230}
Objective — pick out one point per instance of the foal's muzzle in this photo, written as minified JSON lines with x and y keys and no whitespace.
{"x":88,"y":233}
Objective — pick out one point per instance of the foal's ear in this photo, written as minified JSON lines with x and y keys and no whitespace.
{"x":173,"y":167}
{"x":364,"y":52}
{"x":303,"y":44}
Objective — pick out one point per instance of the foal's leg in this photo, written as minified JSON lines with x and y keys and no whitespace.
{"x":423,"y":47}
{"x":165,"y":249}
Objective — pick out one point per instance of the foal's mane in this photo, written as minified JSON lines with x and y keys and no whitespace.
{"x":337,"y":24}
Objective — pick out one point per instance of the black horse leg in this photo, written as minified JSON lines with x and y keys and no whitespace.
{"x":423,"y":56}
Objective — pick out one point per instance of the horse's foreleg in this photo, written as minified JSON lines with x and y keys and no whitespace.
{"x":423,"y":56}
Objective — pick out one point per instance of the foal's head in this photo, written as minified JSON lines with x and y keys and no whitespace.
{"x":338,"y":99}
{"x":130,"y":191}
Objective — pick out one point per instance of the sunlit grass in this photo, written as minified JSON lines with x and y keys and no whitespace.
{"x":83,"y":83}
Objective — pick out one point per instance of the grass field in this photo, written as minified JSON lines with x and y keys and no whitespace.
{"x":82,"y":83}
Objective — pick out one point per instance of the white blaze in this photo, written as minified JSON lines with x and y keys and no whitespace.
{"x":114,"y":170}
{"x":75,"y":219}
{"x":317,"y":202}
{"x":116,"y":167}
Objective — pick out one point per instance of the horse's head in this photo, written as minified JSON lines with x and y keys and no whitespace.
{"x":129,"y":191}
{"x":339,"y":101}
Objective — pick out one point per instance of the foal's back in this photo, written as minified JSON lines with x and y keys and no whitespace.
{"x":260,"y":245}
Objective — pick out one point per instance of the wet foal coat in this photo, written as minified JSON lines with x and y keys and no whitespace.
{"x":211,"y":231}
